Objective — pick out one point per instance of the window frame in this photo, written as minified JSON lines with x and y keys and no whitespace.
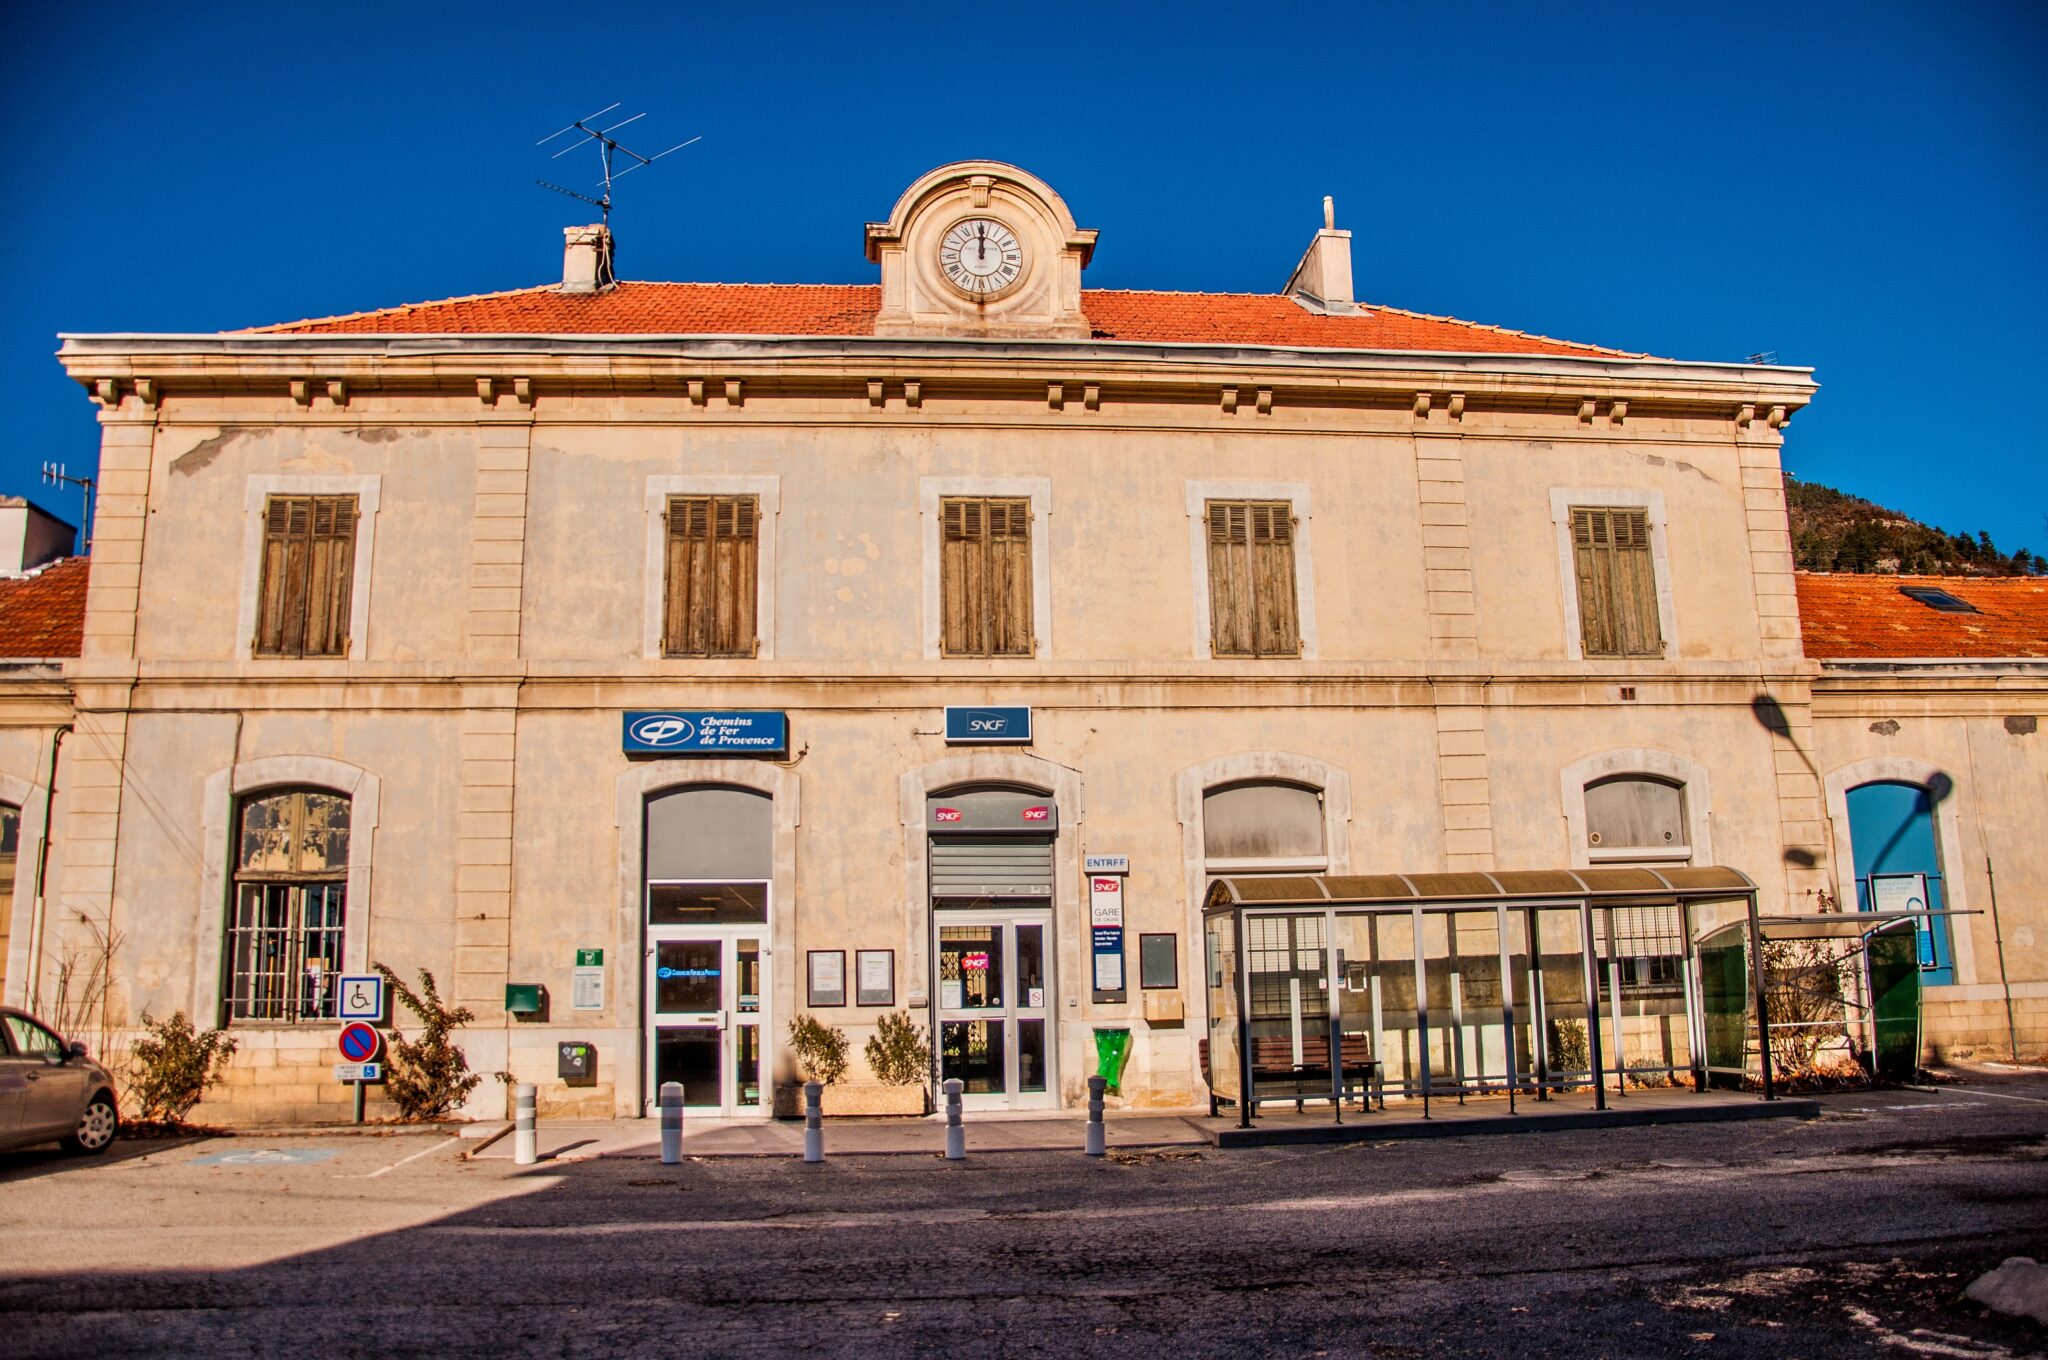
{"x":1296,"y":494}
{"x":296,"y":882}
{"x":715,"y":504}
{"x":1563,"y":500}
{"x":932,"y":493}
{"x":992,"y":601}
{"x":767,"y":493}
{"x":257,"y":492}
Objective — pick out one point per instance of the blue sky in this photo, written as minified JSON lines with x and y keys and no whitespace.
{"x":1859,"y":188}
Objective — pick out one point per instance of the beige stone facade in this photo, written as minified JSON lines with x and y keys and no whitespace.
{"x":507,"y":611}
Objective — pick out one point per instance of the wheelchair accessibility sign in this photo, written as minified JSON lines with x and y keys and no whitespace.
{"x":267,"y":1157}
{"x":361,"y":997}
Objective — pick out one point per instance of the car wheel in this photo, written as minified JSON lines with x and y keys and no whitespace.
{"x":96,"y":1127}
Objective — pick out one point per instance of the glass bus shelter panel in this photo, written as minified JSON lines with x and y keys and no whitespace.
{"x":1379,"y":997}
{"x":1724,"y":1009}
{"x":1287,"y":976}
{"x":1563,"y":1055}
{"x":1895,"y":973}
{"x":1642,"y":991}
{"x":1220,"y":944}
{"x":1485,"y":1053}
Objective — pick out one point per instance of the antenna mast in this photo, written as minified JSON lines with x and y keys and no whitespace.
{"x":608,"y":149}
{"x":54,"y":475}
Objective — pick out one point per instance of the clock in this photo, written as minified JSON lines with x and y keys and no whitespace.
{"x":981,"y":257}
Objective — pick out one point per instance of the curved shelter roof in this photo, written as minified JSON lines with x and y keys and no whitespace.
{"x":1503,"y":886}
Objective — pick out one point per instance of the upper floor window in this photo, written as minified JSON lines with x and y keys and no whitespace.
{"x":288,"y":920}
{"x":1263,"y":826}
{"x":985,"y":588}
{"x":1617,"y":582}
{"x":711,"y":586}
{"x":307,"y":578}
{"x":1252,"y":604}
{"x":1636,"y":819}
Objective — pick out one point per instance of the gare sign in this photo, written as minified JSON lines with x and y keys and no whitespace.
{"x":697,"y":732}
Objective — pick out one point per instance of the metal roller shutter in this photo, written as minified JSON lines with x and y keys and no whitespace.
{"x":991,"y":866}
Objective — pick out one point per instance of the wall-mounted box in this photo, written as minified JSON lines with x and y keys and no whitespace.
{"x":1164,"y":1008}
{"x":576,"y":1062}
{"x":526,"y":998}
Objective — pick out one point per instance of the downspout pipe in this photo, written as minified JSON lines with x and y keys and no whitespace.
{"x":37,"y":923}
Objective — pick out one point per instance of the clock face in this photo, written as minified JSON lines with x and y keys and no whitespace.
{"x":981,"y":257}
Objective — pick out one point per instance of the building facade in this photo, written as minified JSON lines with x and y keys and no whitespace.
{"x":657,"y":663}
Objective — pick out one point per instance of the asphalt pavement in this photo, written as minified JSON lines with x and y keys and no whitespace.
{"x":1851,"y":1234}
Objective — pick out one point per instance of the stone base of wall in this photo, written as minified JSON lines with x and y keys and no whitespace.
{"x":1976,"y":1028}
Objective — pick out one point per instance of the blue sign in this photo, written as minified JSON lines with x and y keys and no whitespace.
{"x":988,"y":726}
{"x":695,"y":733}
{"x":665,"y":972}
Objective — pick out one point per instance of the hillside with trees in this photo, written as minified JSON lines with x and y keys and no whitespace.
{"x":1834,"y":531}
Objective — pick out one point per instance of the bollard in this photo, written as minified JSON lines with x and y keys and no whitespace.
{"x":814,"y":1126}
{"x":671,"y":1122}
{"x":523,"y":1151}
{"x":1096,"y":1145}
{"x":956,"y":1137}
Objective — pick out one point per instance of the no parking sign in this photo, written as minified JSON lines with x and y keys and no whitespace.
{"x":360,"y":1042}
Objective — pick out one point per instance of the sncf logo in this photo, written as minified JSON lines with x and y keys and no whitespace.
{"x":663,"y":729}
{"x":945,"y":814}
{"x":1037,"y":814}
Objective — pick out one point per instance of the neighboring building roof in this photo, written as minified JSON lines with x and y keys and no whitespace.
{"x":1851,"y":617}
{"x":43,"y":614}
{"x":850,"y":309}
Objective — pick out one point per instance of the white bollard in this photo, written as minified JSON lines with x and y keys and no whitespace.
{"x":1096,"y":1144}
{"x":814,"y":1123}
{"x":956,"y":1137}
{"x":524,"y":1153}
{"x":671,"y":1122}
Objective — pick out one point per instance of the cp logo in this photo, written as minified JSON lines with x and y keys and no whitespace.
{"x":663,"y":729}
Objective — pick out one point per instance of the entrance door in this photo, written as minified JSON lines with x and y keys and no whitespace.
{"x":995,"y":1006}
{"x":704,"y":1020}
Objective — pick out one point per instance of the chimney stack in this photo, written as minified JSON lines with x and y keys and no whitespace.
{"x":1322,"y":281}
{"x":587,"y":259}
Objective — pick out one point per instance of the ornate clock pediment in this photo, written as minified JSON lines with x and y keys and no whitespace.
{"x":980,"y":248}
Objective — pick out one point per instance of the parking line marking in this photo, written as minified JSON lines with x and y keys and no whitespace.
{"x":1980,"y":1091}
{"x":448,"y":1142}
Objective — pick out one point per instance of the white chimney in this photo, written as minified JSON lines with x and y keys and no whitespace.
{"x":1322,"y":281}
{"x":586,"y":259}
{"x":31,"y":536}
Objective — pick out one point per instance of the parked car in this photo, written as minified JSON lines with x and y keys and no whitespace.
{"x":50,"y":1091}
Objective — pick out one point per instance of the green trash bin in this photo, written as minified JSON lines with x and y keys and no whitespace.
{"x":1112,"y":1051}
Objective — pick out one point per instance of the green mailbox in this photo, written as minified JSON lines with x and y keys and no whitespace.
{"x":524,"y":998}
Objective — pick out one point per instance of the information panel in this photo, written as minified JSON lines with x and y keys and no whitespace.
{"x":1106,"y":936}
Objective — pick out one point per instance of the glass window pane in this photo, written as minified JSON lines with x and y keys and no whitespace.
{"x":687,"y":974}
{"x":266,"y":843}
{"x":972,"y":1050}
{"x":10,"y":829}
{"x":689,"y":1054}
{"x":748,"y":953}
{"x":1030,"y":966}
{"x":970,"y":967}
{"x":710,"y":833}
{"x":1633,"y":812}
{"x":707,"y":904}
{"x":323,"y":844}
{"x":1031,"y":1055}
{"x":1262,"y":821}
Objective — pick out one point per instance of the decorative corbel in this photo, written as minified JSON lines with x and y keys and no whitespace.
{"x":878,"y":393}
{"x":1263,"y":403}
{"x":913,"y":395}
{"x":1585,"y":411}
{"x":1457,"y":406}
{"x":1230,"y":401}
{"x":1778,"y":419}
{"x":145,"y":388}
{"x":337,"y":391}
{"x":487,"y":391}
{"x":522,"y":391}
{"x":302,"y":392}
{"x":696,"y":391}
{"x":1091,"y":396}
{"x":1744,"y":414}
{"x":1422,"y":405}
{"x":732,"y":392}
{"x":1618,"y":412}
{"x":107,"y":391}
{"x":978,"y":186}
{"x":1056,"y":396}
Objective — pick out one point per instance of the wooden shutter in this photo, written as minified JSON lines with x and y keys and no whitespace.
{"x":1617,"y":583}
{"x":307,"y":581}
{"x":1252,"y":603}
{"x":712,"y":576}
{"x":985,"y":600}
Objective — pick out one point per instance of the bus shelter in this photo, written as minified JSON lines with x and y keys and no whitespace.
{"x":1434,"y":986}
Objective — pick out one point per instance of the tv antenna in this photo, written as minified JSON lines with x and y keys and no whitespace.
{"x":54,"y":475}
{"x":608,"y":149}
{"x":1768,"y":356}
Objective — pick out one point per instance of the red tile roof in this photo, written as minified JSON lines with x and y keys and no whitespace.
{"x":1847,"y":617}
{"x":850,"y":309}
{"x":43,"y":614}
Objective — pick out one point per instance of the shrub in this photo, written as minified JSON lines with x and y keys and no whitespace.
{"x":1569,"y":1051}
{"x":428,"y":1076}
{"x":898,"y":1054}
{"x":171,"y":1066}
{"x":1804,"y":981}
{"x":820,"y":1049}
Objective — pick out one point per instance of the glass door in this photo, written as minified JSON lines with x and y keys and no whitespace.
{"x":704,"y":1020}
{"x":995,"y":1007}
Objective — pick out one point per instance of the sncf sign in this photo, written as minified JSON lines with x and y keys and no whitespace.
{"x":990,"y":726}
{"x":992,"y":810}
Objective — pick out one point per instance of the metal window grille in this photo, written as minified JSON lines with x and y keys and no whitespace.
{"x":285,"y":946}
{"x":1278,"y":951}
{"x":1649,"y":944}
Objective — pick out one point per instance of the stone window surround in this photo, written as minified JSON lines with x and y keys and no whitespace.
{"x":30,"y":799}
{"x":1948,"y":843}
{"x":1199,"y":494}
{"x":631,"y":790}
{"x":1037,"y":490}
{"x":1562,"y":499}
{"x":1644,"y":760}
{"x":1248,"y":767}
{"x":367,"y":490}
{"x":223,"y":791}
{"x":767,"y":489}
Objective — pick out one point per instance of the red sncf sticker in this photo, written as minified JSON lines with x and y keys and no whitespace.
{"x":1036,"y":814}
{"x":945,"y":814}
